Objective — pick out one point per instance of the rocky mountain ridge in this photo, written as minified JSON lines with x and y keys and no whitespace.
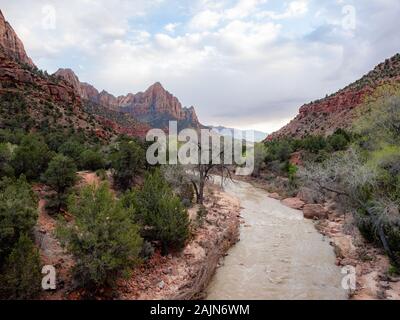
{"x":155,"y":106}
{"x":324,"y":116}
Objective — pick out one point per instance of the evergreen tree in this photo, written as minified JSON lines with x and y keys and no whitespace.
{"x":103,"y":239}
{"x":126,"y":162}
{"x":21,"y":275}
{"x":159,"y":209}
{"x":31,"y":157}
{"x":18,"y":213}
{"x":60,"y":176}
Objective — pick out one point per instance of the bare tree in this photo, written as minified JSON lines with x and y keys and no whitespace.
{"x":212,"y":163}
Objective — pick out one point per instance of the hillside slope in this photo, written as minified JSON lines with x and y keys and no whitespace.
{"x":338,"y":110}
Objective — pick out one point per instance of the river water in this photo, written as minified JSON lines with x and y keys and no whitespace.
{"x":280,"y":255}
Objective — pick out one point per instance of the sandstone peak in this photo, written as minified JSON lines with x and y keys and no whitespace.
{"x":156,"y":106}
{"x":11,"y":44}
{"x":157,"y":86}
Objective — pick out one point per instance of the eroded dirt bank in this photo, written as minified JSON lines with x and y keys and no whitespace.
{"x":186,"y":275}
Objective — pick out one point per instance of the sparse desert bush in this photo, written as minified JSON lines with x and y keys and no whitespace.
{"x":180,"y":182}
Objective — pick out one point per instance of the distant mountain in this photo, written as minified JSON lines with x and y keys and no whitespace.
{"x":31,"y":99}
{"x":155,"y":107}
{"x":339,"y":110}
{"x":230,"y":132}
{"x":61,"y":100}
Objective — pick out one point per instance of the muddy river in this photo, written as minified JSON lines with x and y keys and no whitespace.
{"x":280,"y":254}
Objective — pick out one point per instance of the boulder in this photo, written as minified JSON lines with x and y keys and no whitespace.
{"x":275,"y":196}
{"x":307,"y":195}
{"x":315,"y":211}
{"x":294,"y":203}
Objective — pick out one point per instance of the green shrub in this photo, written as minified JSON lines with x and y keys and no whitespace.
{"x":103,"y":239}
{"x":31,"y":157}
{"x":60,"y":177}
{"x":6,"y":170}
{"x":55,"y":140}
{"x":279,"y":150}
{"x":337,"y":142}
{"x":102,"y":174}
{"x":72,"y":149}
{"x":92,"y":160}
{"x":314,"y":144}
{"x":161,"y":212}
{"x":127,"y":161}
{"x":18,"y":213}
{"x":21,"y":275}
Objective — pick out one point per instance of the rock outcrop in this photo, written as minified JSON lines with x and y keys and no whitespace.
{"x":325,"y":116}
{"x":294,"y":203}
{"x":315,"y":211}
{"x":11,"y":44}
{"x":14,"y":75}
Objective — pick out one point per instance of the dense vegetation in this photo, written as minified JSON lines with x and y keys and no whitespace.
{"x":109,"y":222}
{"x":19,"y":259}
{"x":366,"y":176}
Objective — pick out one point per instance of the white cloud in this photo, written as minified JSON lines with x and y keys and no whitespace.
{"x":170,"y":27}
{"x":205,"y":20}
{"x":233,"y":60}
{"x":243,"y":9}
{"x":293,"y":9}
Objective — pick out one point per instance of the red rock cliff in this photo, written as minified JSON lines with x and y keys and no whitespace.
{"x":11,"y":44}
{"x":337,"y":111}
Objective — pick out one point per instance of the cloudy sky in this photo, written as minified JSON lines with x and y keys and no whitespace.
{"x":241,"y":63}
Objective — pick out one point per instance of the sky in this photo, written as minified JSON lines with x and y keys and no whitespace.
{"x":249,"y":64}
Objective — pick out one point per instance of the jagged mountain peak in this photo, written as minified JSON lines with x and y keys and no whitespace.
{"x":155,"y":106}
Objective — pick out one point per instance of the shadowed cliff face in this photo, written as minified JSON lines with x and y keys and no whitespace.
{"x":11,"y":44}
{"x":155,"y":107}
{"x":338,"y":110}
